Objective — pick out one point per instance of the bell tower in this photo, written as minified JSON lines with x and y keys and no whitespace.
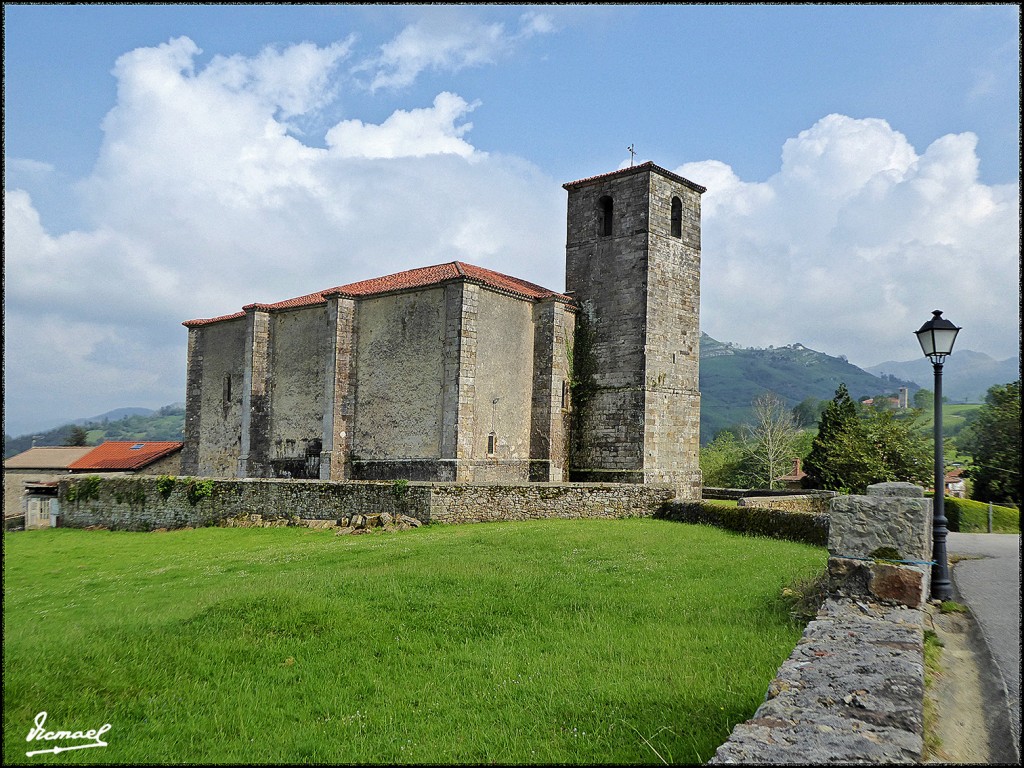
{"x":632,"y":263}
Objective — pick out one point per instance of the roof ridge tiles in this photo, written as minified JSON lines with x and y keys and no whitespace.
{"x":419,"y":277}
{"x":645,"y":166}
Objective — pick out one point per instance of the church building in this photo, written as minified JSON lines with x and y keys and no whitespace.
{"x":458,"y":373}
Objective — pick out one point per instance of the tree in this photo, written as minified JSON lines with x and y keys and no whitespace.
{"x":993,"y":439}
{"x":770,"y":440}
{"x":900,"y":448}
{"x":924,"y":399}
{"x":853,"y":449}
{"x":77,"y":436}
{"x":837,"y":461}
{"x":807,"y":412}
{"x":722,"y":462}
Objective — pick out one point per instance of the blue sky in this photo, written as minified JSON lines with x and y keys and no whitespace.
{"x":164,"y":163}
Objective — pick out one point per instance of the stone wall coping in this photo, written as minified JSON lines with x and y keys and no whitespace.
{"x":906,"y":490}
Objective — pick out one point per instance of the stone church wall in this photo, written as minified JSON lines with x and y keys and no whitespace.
{"x":215,"y":382}
{"x":633,"y":264}
{"x":400,"y":367}
{"x":672,"y":428}
{"x":504,"y":388}
{"x":298,"y":346}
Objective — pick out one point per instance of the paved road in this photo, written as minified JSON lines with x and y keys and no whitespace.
{"x":990,"y":585}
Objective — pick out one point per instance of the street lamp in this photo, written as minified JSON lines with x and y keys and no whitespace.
{"x":937,"y":337}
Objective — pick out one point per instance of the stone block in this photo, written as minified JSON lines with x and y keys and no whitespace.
{"x":887,"y":582}
{"x":862,"y":526}
{"x":906,"y":490}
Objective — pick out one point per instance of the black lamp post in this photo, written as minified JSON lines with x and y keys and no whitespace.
{"x":937,"y":337}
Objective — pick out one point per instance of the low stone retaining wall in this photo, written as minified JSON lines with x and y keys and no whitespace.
{"x":851,"y":692}
{"x":459,"y":503}
{"x":151,"y":503}
{"x":734,"y":494}
{"x":816,"y":503}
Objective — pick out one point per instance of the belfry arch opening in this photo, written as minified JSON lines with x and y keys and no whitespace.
{"x":677,"y":217}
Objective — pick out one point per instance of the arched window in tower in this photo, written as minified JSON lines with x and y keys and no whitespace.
{"x":604,"y":216}
{"x":677,"y":217}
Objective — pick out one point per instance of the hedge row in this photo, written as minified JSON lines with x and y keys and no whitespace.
{"x":967,"y":516}
{"x":806,"y":527}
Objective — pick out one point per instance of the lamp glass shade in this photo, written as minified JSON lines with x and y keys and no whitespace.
{"x":937,"y":336}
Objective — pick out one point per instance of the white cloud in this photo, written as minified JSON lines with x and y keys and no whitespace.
{"x":855,"y":240}
{"x":446,"y":42}
{"x":201,"y":201}
{"x":416,"y":133}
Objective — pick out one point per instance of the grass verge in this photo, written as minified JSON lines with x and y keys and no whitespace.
{"x":932,"y":669}
{"x":551,"y":641}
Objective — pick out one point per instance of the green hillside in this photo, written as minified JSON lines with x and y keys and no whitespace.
{"x":168,"y":423}
{"x":732,"y":377}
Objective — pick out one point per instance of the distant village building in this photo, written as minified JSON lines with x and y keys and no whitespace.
{"x":795,"y":477}
{"x":454,"y":372}
{"x":31,"y":477}
{"x":955,"y":485}
{"x":35,"y":466}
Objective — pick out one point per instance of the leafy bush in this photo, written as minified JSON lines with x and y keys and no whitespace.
{"x":197,"y":490}
{"x":84,"y":489}
{"x":165,"y":485}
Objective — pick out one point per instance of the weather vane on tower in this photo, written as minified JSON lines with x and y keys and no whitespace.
{"x":632,"y":153}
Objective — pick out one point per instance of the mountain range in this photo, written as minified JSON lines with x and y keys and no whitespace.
{"x":731,"y":377}
{"x":966,"y":375}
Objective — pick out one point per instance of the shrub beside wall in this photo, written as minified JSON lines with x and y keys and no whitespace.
{"x":806,"y":527}
{"x":968,"y":516}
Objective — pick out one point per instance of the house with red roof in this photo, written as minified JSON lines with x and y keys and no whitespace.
{"x":795,"y":477}
{"x":152,"y":457}
{"x":31,"y":478}
{"x":457,"y":372}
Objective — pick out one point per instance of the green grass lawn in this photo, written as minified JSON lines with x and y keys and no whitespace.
{"x":552,"y":641}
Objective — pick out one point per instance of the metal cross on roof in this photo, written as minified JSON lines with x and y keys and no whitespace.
{"x":632,"y":154}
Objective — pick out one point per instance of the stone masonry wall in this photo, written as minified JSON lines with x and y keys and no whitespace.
{"x":150,"y":503}
{"x":213,"y":398}
{"x":635,"y":271}
{"x":852,"y":691}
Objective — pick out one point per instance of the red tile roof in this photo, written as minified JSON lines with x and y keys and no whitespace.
{"x":115,"y":455}
{"x":421,"y":277}
{"x":648,"y":166}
